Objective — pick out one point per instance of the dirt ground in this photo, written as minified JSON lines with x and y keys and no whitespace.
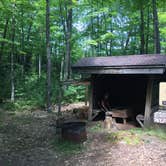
{"x":26,"y":139}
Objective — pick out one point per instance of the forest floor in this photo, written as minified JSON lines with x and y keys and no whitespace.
{"x":30,"y":139}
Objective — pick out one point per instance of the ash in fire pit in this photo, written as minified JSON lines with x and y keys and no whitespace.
{"x":74,"y":131}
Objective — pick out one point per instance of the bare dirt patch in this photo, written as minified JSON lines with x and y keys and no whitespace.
{"x":30,"y":139}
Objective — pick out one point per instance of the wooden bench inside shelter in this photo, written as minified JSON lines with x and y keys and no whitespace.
{"x":123,"y":113}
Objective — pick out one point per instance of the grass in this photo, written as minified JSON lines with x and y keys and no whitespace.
{"x":96,"y":128}
{"x":134,"y":136}
{"x":112,"y":137}
{"x":126,"y":137}
{"x":158,"y":132}
{"x":66,"y":147}
{"x":21,"y":105}
{"x":130,"y":137}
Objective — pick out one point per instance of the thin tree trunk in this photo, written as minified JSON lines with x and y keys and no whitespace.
{"x":48,"y":90}
{"x":156,"y":28}
{"x":12,"y":60}
{"x":39,"y":65}
{"x":62,"y":73}
{"x":97,"y":31}
{"x":105,"y":29}
{"x":4,"y":37}
{"x":25,"y":57}
{"x":68,"y":41}
{"x":127,"y":42}
{"x":22,"y":31}
{"x":106,"y":48}
{"x":111,"y":41}
{"x":147,"y":33}
{"x":142,"y":33}
{"x":62,"y":20}
{"x":92,"y":30}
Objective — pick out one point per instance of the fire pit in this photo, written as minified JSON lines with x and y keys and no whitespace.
{"x":74,"y":131}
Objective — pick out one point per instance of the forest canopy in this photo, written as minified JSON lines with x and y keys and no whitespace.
{"x":78,"y":28}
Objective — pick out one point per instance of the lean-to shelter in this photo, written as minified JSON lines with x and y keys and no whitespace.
{"x":132,"y":81}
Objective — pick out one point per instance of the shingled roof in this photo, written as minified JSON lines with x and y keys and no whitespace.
{"x":128,"y":61}
{"x":120,"y":61}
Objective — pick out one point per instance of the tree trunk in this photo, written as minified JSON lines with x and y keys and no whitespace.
{"x":12,"y":60}
{"x":111,"y":41}
{"x":127,"y":42}
{"x":105,"y":29}
{"x":48,"y":90}
{"x":4,"y":37}
{"x":142,"y":33}
{"x":26,"y":58}
{"x":92,"y":30}
{"x":39,"y":65}
{"x":156,"y":28}
{"x":23,"y":57}
{"x":68,"y":40}
{"x":147,"y":33}
{"x":97,"y":30}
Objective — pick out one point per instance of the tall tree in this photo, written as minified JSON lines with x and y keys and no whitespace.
{"x":12,"y":56}
{"x":68,"y":39}
{"x":4,"y":37}
{"x":156,"y":28}
{"x":48,"y":55}
{"x":147,"y":31}
{"x":66,"y":13}
{"x":142,"y":28}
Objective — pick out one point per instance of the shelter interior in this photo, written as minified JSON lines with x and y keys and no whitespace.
{"x":125,"y":92}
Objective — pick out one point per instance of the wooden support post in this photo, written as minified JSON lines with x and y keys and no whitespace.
{"x":148,"y":110}
{"x":90,"y":101}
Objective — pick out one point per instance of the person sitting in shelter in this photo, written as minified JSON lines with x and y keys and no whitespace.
{"x":105,"y":104}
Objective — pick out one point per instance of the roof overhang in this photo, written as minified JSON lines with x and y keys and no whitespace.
{"x":121,"y":70}
{"x":129,"y":64}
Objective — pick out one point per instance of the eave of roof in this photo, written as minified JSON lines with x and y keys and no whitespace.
{"x":153,"y":64}
{"x":157,"y":70}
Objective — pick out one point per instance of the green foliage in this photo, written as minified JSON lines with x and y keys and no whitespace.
{"x":22,"y":105}
{"x":98,"y":28}
{"x":32,"y":92}
{"x":74,"y":94}
{"x":106,"y":37}
{"x":5,"y":83}
{"x":92,"y":42}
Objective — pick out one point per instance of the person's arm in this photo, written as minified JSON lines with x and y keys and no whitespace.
{"x":104,"y":106}
{"x":108,"y":105}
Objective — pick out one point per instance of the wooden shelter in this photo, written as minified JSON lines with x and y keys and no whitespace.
{"x":132,"y":81}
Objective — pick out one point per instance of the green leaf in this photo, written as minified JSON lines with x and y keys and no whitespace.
{"x":107,"y":36}
{"x":92,"y":42}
